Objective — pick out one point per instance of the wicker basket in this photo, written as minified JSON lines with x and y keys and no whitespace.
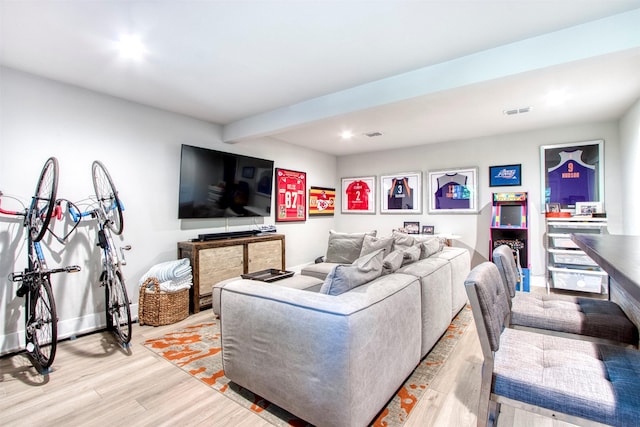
{"x":161,"y":308}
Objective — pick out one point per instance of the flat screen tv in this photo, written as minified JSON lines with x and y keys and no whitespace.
{"x":216,"y":184}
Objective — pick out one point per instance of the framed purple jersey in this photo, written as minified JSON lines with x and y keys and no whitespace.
{"x":572,"y":173}
{"x":453,"y":191}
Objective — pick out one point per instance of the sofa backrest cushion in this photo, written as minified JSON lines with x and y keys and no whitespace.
{"x":402,"y":240}
{"x":346,"y":277}
{"x":345,"y":248}
{"x":373,"y":243}
{"x":411,"y":254}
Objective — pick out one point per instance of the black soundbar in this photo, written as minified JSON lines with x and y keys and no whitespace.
{"x":226,"y":235}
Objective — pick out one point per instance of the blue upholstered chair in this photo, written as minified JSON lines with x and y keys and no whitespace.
{"x":563,"y":315}
{"x":580,"y":382}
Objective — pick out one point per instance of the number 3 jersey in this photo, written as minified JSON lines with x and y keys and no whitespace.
{"x":358,"y":196}
{"x":400,"y":195}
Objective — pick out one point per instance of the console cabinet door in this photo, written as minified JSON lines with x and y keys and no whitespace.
{"x":218,"y":264}
{"x":264,"y":255}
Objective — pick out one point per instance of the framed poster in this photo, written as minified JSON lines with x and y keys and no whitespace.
{"x":401,"y":193}
{"x":321,"y":201}
{"x":504,"y":176}
{"x":358,"y":195}
{"x":572,"y":173}
{"x":291,"y":190}
{"x":453,"y":191}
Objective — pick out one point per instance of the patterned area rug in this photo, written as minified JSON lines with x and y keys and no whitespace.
{"x":196,"y":349}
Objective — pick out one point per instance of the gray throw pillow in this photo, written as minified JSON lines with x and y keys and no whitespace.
{"x":392,"y":262}
{"x":343,"y":278}
{"x":344,"y":248}
{"x":431,"y":247}
{"x":402,"y":240}
{"x":411,"y":254}
{"x":372,"y":243}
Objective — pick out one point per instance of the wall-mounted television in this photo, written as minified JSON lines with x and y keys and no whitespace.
{"x":216,"y":184}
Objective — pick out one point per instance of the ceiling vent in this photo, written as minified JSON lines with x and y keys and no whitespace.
{"x":514,"y":111}
{"x":373,"y":134}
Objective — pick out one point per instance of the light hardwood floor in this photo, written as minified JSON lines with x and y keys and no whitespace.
{"x":95,"y":382}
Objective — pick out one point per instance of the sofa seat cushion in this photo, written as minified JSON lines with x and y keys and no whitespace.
{"x":298,"y":281}
{"x":574,"y":315}
{"x":320,"y":270}
{"x":585,"y":379}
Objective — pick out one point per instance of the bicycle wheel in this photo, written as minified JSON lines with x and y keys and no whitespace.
{"x":107,"y":196}
{"x":118,"y":310}
{"x":41,"y":326}
{"x":43,"y":203}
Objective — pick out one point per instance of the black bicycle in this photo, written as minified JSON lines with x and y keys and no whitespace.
{"x":41,"y":321}
{"x":107,"y":209}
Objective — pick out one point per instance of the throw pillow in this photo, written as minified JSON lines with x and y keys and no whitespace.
{"x":402,"y":240}
{"x":344,"y":248}
{"x":431,"y":247}
{"x":411,"y":254}
{"x":392,"y":262}
{"x":343,"y":278}
{"x":372,"y":243}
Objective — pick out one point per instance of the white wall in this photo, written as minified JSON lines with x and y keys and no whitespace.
{"x":630,"y":146}
{"x":140,"y":146}
{"x":483,"y":152}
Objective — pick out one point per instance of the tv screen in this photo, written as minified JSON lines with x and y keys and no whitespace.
{"x":215,"y":184}
{"x":510,"y":215}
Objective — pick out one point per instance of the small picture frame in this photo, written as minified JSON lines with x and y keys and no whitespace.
{"x":588,"y":208}
{"x":505,"y":175}
{"x":553,"y":207}
{"x":401,"y":193}
{"x":428,"y":229}
{"x":412,"y":227}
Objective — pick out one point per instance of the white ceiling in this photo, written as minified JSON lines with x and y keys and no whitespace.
{"x":304,"y":71}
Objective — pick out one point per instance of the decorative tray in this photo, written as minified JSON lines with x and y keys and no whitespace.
{"x":268,"y":275}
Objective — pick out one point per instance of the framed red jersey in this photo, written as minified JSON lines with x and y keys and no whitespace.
{"x":291,"y":190}
{"x":358,"y":195}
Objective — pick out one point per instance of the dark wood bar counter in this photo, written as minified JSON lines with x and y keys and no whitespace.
{"x":619,"y":256}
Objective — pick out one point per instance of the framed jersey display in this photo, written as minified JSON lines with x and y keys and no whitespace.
{"x":291,"y":190}
{"x":453,"y":191}
{"x":358,"y":195}
{"x":321,"y":201}
{"x":401,"y":193}
{"x":572,"y":173}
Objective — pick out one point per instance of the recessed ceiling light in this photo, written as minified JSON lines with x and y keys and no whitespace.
{"x":347,"y":134}
{"x":130,"y":46}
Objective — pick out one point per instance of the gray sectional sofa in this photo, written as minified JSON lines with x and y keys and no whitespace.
{"x":335,"y":356}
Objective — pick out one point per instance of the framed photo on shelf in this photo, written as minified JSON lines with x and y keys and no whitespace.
{"x":291,"y":195}
{"x":588,"y":208}
{"x":572,"y":173}
{"x":321,"y":201}
{"x":401,"y":193}
{"x":552,"y":207}
{"x":453,"y":191}
{"x":412,"y":227}
{"x":428,"y":229}
{"x":358,"y":195}
{"x":504,"y":176}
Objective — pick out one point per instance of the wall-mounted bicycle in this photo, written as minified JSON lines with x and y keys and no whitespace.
{"x":41,"y":320}
{"x":107,"y":210}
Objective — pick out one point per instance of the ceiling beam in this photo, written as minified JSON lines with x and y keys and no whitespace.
{"x":608,"y":35}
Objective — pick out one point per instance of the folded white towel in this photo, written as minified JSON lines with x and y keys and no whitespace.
{"x":166,"y":271}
